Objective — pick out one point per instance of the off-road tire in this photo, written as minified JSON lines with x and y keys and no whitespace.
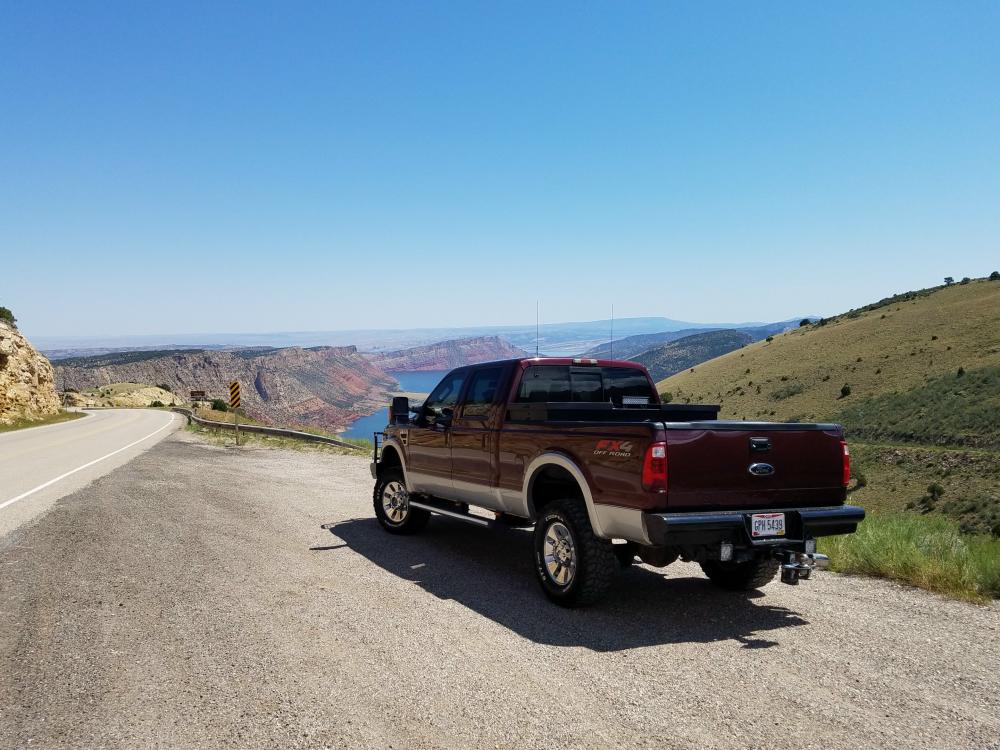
{"x":596,"y":564}
{"x":741,"y":576}
{"x":413,"y":520}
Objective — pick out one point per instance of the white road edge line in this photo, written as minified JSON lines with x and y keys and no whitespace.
{"x":85,"y":466}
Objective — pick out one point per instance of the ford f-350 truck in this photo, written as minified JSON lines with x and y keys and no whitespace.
{"x":583,"y":450}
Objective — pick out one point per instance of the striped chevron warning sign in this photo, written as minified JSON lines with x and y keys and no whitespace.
{"x":234,"y":395}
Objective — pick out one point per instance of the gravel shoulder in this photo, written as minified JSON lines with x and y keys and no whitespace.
{"x":193,"y":598}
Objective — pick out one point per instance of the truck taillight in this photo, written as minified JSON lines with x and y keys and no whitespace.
{"x":847,"y":462}
{"x":654,"y":468}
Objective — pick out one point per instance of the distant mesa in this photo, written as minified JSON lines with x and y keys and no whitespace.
{"x":446,"y":355}
{"x":321,"y":386}
{"x":326,"y":386}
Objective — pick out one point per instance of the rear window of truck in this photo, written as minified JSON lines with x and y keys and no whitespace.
{"x":564,"y":384}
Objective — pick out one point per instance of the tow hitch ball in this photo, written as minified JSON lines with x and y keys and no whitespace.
{"x":796,"y":566}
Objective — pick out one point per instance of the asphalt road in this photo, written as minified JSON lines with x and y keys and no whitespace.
{"x":39,"y":465}
{"x":193,"y":598}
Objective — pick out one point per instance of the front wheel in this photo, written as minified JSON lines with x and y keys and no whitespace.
{"x":392,"y":505}
{"x":741,"y":576}
{"x":574,"y":566}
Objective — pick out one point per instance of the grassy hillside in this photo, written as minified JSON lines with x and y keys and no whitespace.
{"x":895,"y":347}
{"x":666,"y":359}
{"x":915,"y":380}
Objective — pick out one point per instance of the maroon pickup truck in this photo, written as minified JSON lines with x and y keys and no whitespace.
{"x":583,"y":450}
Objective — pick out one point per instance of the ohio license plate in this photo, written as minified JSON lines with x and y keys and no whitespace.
{"x":767,"y":524}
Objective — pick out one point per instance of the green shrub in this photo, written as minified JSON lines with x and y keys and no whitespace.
{"x":8,"y":317}
{"x":787,"y":391}
{"x":925,"y":551}
{"x":949,"y":410}
{"x":666,"y":397}
{"x":219,"y":405}
{"x":845,"y":390}
{"x":164,"y":387}
{"x":965,"y":280}
{"x":157,"y":403}
{"x":995,"y":276}
{"x":804,"y":322}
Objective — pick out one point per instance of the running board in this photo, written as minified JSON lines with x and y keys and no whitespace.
{"x":468,"y":518}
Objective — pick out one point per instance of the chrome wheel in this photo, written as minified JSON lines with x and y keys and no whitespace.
{"x":560,"y":554}
{"x":395,"y":502}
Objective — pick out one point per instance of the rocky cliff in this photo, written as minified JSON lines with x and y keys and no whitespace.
{"x":27,"y":385}
{"x":445,"y":355}
{"x":323,"y":386}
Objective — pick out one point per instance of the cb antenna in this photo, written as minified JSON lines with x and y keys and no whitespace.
{"x":612,"y":330}
{"x":536,"y":328}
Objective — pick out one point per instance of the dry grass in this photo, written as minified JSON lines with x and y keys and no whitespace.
{"x":924,"y":551}
{"x":62,"y":416}
{"x":227,"y":438}
{"x":223,"y":416}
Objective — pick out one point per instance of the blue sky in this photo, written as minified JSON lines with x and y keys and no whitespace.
{"x":177,"y":168}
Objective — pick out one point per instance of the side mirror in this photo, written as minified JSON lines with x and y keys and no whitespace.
{"x":399,"y":410}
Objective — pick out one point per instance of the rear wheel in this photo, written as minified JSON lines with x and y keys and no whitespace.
{"x":741,"y":576}
{"x":574,"y":566}
{"x":392,"y":505}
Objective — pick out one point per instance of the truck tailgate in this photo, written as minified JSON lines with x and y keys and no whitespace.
{"x":745,"y":465}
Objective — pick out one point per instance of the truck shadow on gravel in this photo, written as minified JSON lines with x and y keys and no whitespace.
{"x":490,"y":572}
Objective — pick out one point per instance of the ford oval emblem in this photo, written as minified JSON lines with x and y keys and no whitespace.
{"x":761,"y":470}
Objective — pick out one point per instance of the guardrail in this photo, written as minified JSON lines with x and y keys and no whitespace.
{"x":261,"y":429}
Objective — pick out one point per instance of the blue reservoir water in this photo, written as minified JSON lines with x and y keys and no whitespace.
{"x":410,"y":382}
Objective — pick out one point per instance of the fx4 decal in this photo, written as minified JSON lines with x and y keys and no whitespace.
{"x":616,"y":448}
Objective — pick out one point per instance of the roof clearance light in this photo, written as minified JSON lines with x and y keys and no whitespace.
{"x":581,"y":361}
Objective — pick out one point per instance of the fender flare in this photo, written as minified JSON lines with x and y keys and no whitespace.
{"x":398,"y":448}
{"x":563,"y":461}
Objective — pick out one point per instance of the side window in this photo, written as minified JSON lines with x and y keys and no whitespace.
{"x":482,"y":392}
{"x":445,"y":395}
{"x":544,"y":383}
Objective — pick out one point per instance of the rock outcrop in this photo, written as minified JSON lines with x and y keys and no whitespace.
{"x":27,"y":382}
{"x":323,"y":386}
{"x":124,"y":395}
{"x":445,"y":355}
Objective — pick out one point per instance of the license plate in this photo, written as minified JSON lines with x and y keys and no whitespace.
{"x":767,"y":524}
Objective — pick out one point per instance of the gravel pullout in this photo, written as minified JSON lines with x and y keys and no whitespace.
{"x":192,"y":599}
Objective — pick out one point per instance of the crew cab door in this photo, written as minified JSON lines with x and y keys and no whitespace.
{"x":428,"y":448}
{"x":474,"y":436}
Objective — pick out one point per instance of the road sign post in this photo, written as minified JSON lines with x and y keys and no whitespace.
{"x":234,"y":404}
